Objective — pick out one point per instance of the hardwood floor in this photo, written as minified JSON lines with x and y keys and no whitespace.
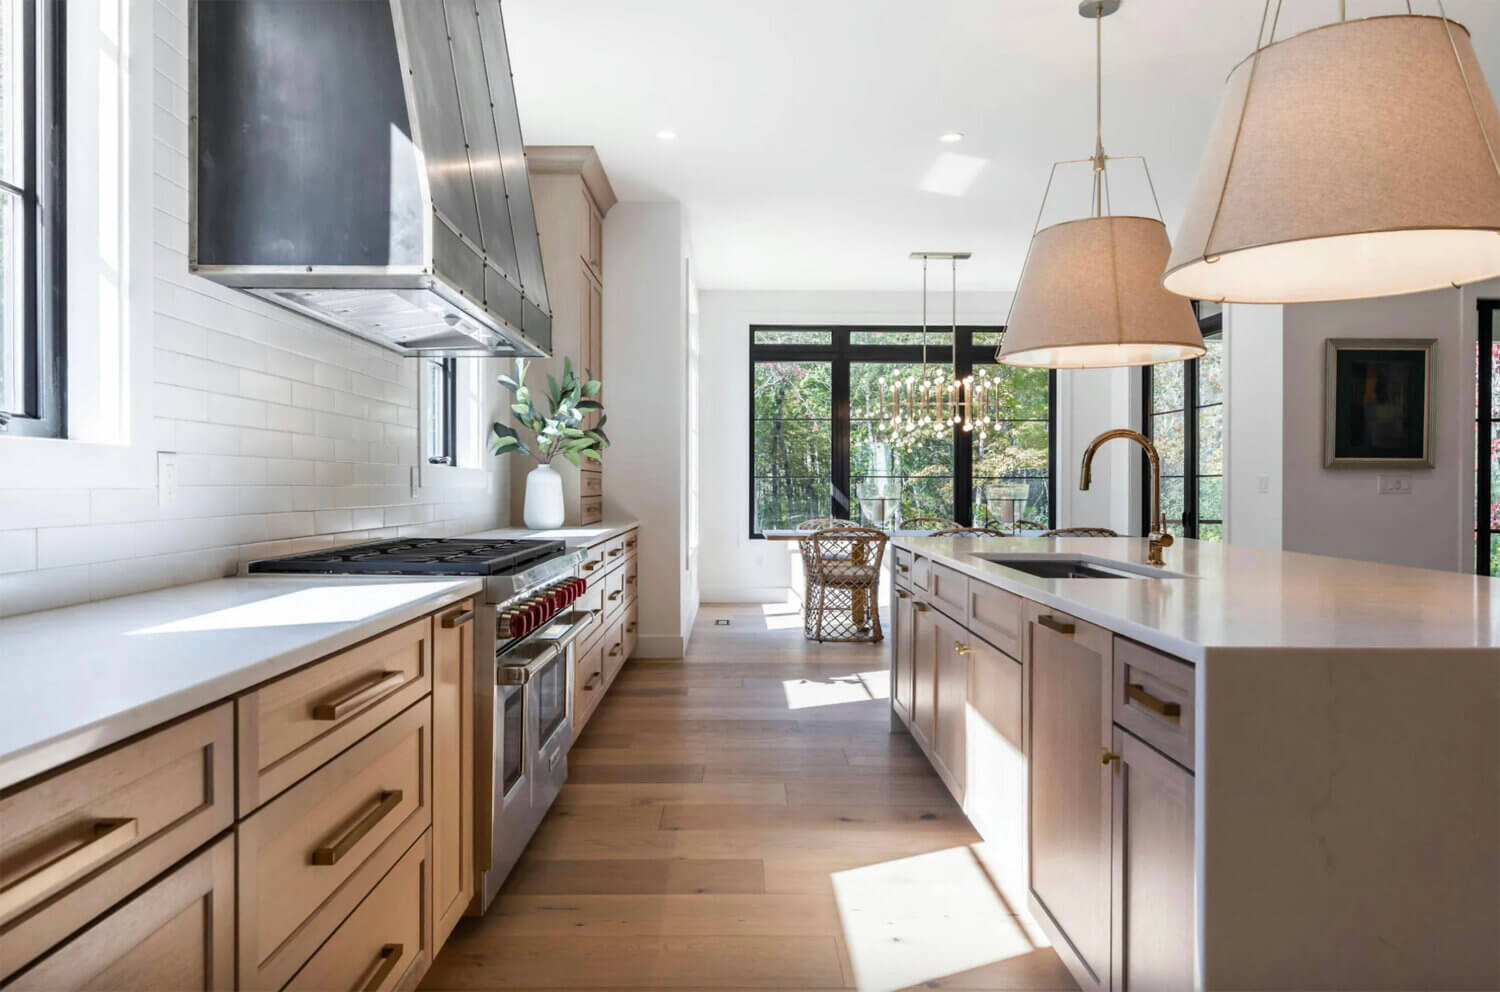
{"x":745,"y":819}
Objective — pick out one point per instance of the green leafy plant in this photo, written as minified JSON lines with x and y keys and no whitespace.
{"x":560,"y":430}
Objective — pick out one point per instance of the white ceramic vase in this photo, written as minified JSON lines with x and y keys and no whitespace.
{"x":544,"y":499}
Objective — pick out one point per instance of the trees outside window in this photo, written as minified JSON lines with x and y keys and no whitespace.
{"x":1184,"y":417}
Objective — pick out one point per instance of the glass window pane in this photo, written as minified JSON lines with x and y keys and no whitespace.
{"x":1167,"y":387}
{"x":794,"y":449}
{"x":1211,"y":440}
{"x":1005,"y":501}
{"x":796,"y":390}
{"x":1172,"y":505}
{"x":1495,"y":477}
{"x":935,"y":337}
{"x":786,"y":335}
{"x":12,"y":92}
{"x":1494,"y":372}
{"x":1167,"y":433}
{"x":13,"y":357}
{"x":890,"y":482}
{"x":1211,"y":498}
{"x":1211,"y":371}
{"x":989,"y":338}
{"x":781,"y":504}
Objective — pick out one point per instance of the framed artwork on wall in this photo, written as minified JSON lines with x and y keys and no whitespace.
{"x":1377,"y":403}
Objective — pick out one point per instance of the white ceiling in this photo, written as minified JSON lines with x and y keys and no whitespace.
{"x":805,"y":127}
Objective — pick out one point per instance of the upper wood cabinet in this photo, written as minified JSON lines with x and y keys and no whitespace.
{"x":453,"y":844}
{"x":1152,"y":909}
{"x":1069,"y":780}
{"x":572,"y":196}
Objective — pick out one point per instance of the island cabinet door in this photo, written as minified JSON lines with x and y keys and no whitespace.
{"x":949,"y":742}
{"x":1068,"y":744}
{"x":452,"y":766}
{"x":901,"y":657}
{"x":1153,"y":870}
{"x":924,"y":639}
{"x":995,"y":765}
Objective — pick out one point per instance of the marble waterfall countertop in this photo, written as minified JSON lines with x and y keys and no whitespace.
{"x":81,"y":678}
{"x":1232,"y":597}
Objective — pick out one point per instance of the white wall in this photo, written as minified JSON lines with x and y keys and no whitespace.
{"x":1253,"y":434}
{"x":736,"y":568}
{"x":289,"y":435}
{"x":645,"y":397}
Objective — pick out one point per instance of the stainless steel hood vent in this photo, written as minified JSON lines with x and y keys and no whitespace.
{"x":361,"y":162}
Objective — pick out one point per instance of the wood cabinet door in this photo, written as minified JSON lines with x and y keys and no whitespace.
{"x":952,"y":700}
{"x":924,"y":641}
{"x":452,"y":766}
{"x":1152,"y":911}
{"x":595,"y":332}
{"x":901,"y":657}
{"x":1069,"y":784}
{"x":177,"y":933}
{"x":995,"y":765}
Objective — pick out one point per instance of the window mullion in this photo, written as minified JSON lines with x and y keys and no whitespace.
{"x":840,"y":481}
{"x":1190,"y":449}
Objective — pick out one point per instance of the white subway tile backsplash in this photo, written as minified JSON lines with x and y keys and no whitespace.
{"x":290,"y":436}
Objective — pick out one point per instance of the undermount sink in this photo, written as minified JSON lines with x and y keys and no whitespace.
{"x":1045,"y":566}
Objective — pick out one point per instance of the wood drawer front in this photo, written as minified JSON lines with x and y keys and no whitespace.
{"x":590,"y":483}
{"x":287,"y":728}
{"x":1154,"y":699}
{"x":78,"y":842}
{"x":632,"y":543}
{"x":591,"y":509}
{"x":343,"y":813}
{"x":632,"y":628}
{"x":632,"y":579}
{"x":921,"y":569}
{"x":614,"y":592}
{"x":613,"y":646}
{"x":997,"y":616}
{"x":593,"y":565}
{"x":176,"y":934}
{"x":592,"y":602}
{"x":385,"y":939}
{"x":588,"y":681}
{"x":948,"y":590}
{"x":902,"y":560}
{"x":614,"y":551}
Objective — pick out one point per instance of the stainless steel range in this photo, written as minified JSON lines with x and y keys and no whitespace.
{"x":524,"y":701}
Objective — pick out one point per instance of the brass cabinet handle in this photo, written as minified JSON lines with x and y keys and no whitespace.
{"x":385,"y":963}
{"x":589,"y":685}
{"x":919,"y":607}
{"x":331,"y":853}
{"x":1136,"y":693}
{"x":616,"y":552}
{"x":110,"y":838}
{"x":614,"y":595}
{"x":630,"y":579}
{"x":630,"y":627}
{"x":959,"y":647}
{"x":1052,"y":623}
{"x":1108,"y":757}
{"x":903,"y":568}
{"x":902,"y":594}
{"x":336,"y":709}
{"x":458,"y":619}
{"x":614,"y":650}
{"x":589,"y":566}
{"x":630,"y":543}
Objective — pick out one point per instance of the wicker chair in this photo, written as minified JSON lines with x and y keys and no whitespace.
{"x":842,"y":570}
{"x":1028,"y":525}
{"x":1081,"y":532}
{"x":821,"y":523}
{"x":969,"y":532}
{"x":928,"y":523}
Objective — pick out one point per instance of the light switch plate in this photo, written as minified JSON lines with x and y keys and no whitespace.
{"x":1262,"y":483}
{"x":166,"y":478}
{"x":1393,"y":485}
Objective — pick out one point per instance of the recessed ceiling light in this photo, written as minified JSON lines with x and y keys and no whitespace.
{"x":951,"y":137}
{"x":667,"y":134}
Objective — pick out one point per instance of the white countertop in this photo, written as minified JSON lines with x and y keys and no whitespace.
{"x":1239,"y":597}
{"x":83,"y":677}
{"x":575,"y":537}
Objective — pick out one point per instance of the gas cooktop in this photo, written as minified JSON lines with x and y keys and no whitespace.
{"x":418,"y":556}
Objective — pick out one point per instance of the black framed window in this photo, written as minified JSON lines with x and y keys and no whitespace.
{"x":441,"y":415}
{"x":1183,"y":415}
{"x":1487,"y":433}
{"x":32,"y":343}
{"x":817,"y":449}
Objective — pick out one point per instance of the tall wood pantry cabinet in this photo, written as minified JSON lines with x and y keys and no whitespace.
{"x":572,"y":195}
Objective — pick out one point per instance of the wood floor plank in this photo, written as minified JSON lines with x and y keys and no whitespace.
{"x":670,"y":915}
{"x":604,"y":774}
{"x":944,"y":818}
{"x":636,"y":876}
{"x":656,"y":794}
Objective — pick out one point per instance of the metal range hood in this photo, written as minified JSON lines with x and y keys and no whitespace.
{"x":361,"y":162}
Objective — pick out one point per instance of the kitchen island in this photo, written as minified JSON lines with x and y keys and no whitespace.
{"x":1249,"y":769}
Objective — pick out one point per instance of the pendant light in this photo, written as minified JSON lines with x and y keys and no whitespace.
{"x":1090,"y":292}
{"x":929,"y":404}
{"x":1357,"y":159}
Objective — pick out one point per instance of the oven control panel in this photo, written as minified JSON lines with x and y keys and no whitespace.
{"x":521,"y":618}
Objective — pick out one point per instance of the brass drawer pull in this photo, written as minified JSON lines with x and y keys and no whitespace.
{"x":960,"y":648}
{"x":903,"y":568}
{"x":902,"y":594}
{"x":630,"y":543}
{"x":458,"y":619}
{"x":1108,"y":758}
{"x":330,"y":854}
{"x":589,"y":566}
{"x":110,"y":838}
{"x":614,"y":650}
{"x":616,"y":552}
{"x":385,"y":963}
{"x":630,"y":579}
{"x":630,"y":627}
{"x":336,"y":709}
{"x":614,"y":595}
{"x":1136,"y":693}
{"x":589,"y":685}
{"x":1054,"y":624}
{"x":919,"y":607}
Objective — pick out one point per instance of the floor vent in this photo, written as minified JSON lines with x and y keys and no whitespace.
{"x":721,"y":623}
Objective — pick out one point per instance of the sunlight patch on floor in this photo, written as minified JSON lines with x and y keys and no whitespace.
{"x":859,"y":687}
{"x":923,"y":918}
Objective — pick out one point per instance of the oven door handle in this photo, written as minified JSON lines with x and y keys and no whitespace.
{"x":521,"y":674}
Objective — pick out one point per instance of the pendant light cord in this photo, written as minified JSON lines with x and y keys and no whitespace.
{"x":1100,"y":180}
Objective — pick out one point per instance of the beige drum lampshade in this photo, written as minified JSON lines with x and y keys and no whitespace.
{"x":1347,"y":162}
{"x":1091,"y":297}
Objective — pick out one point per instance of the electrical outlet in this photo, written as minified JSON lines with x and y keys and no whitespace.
{"x":166,"y":478}
{"x":1393,"y":485}
{"x":1262,"y":483}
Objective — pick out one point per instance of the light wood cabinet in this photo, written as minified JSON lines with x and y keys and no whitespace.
{"x":1069,"y":782}
{"x":453,"y":844}
{"x":901,"y":656}
{"x":952,"y":651}
{"x":572,"y":196}
{"x":1152,"y":903}
{"x":924,"y":660}
{"x":995,"y":764}
{"x":177,"y":933}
